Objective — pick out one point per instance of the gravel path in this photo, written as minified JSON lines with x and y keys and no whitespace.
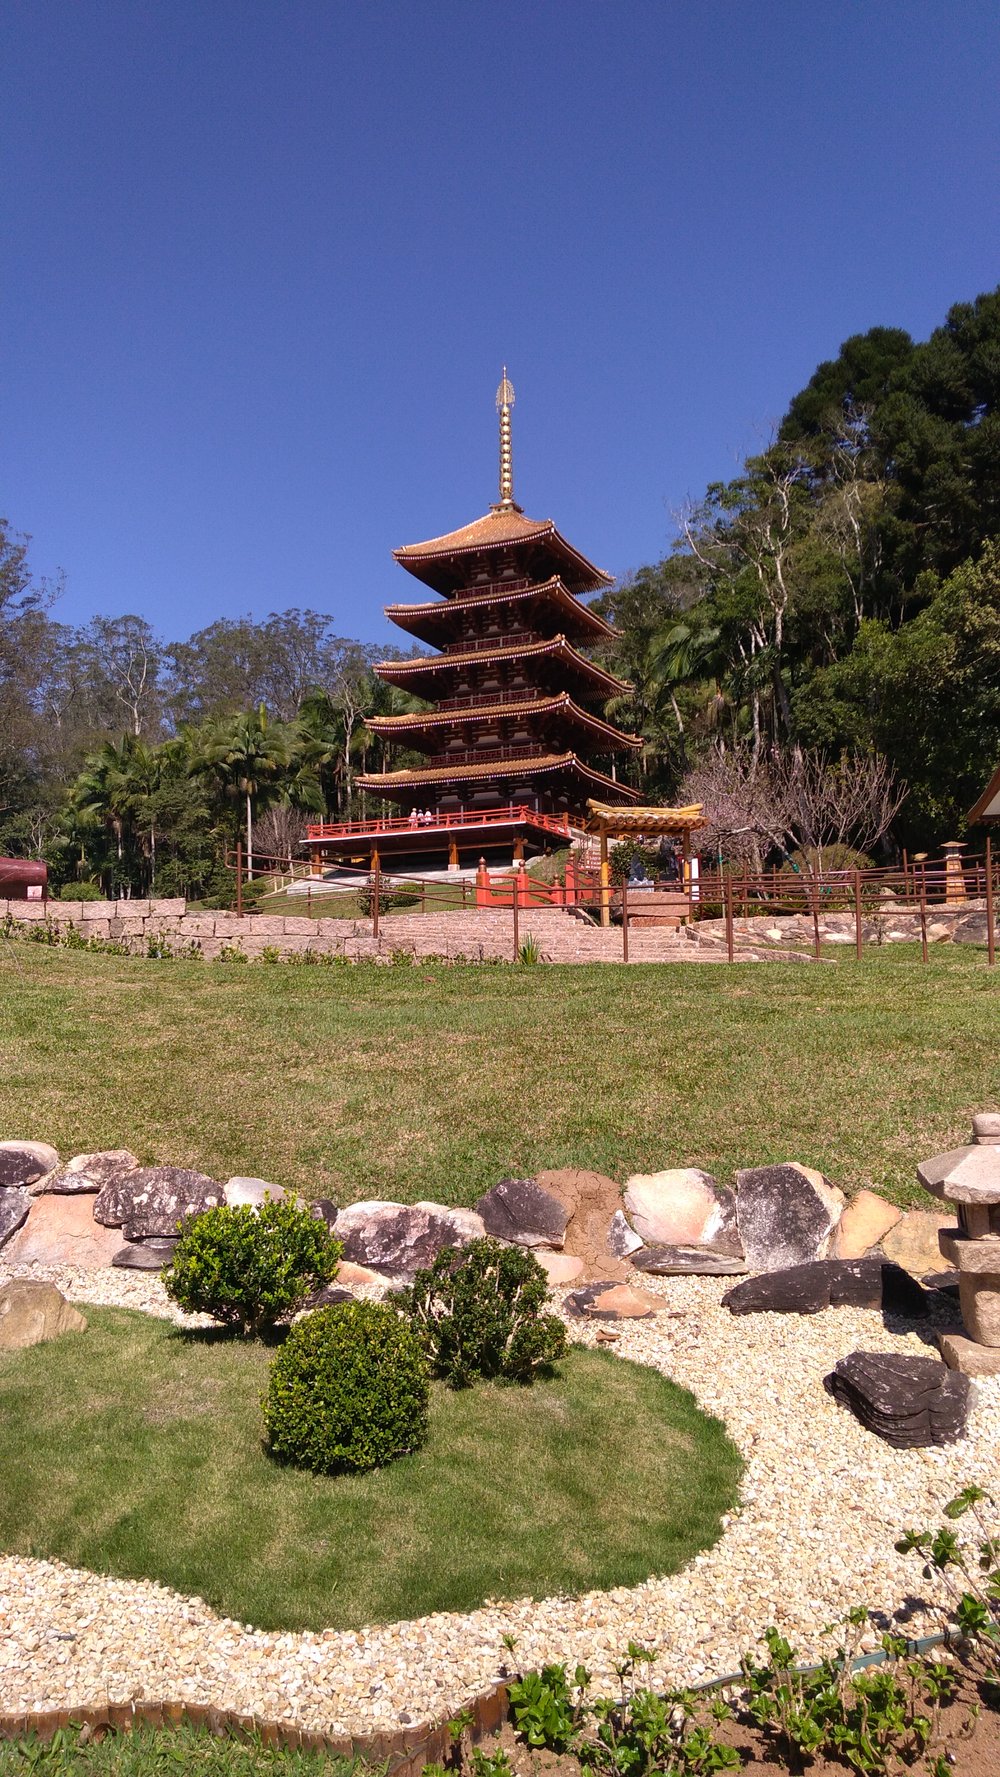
{"x":822,"y":1502}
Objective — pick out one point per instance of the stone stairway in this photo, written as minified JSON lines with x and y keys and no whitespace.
{"x":488,"y":932}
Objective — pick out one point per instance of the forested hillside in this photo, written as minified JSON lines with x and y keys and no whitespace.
{"x":823,"y":636}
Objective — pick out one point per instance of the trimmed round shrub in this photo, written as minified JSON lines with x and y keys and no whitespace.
{"x":348,"y":1390}
{"x":249,"y":1268}
{"x":478,"y":1313}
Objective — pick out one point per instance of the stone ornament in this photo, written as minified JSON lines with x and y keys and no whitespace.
{"x":969,"y":1177}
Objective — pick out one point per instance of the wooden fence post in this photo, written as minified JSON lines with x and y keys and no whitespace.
{"x":991,"y":945}
{"x":923,"y":916}
{"x":515,"y":897}
{"x":727,"y":890}
{"x":239,"y":878}
{"x":857,"y":914}
{"x":814,"y":892}
{"x":624,"y":919}
{"x":376,"y":893}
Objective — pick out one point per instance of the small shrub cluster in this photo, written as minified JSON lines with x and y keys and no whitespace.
{"x":348,"y":1391}
{"x":478,"y":1314}
{"x":250,"y":1268}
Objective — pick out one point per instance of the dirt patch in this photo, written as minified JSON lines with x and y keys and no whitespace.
{"x":591,"y":1201}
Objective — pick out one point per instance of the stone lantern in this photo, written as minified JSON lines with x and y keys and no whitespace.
{"x":970,"y":1178}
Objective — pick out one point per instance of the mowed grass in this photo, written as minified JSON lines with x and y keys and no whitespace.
{"x":147,"y":1461}
{"x":166,"y":1752}
{"x":431,"y":1081}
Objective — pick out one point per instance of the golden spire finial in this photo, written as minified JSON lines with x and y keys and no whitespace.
{"x":505,"y":401}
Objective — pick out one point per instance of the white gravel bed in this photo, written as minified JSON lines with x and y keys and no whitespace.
{"x":822,"y":1502}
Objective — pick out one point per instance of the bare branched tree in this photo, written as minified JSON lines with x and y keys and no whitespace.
{"x":745,"y":802}
{"x":279,"y":833}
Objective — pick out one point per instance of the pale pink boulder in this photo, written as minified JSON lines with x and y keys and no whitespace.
{"x":864,"y":1224}
{"x":682,"y":1206}
{"x":559,"y":1267}
{"x":62,"y":1231}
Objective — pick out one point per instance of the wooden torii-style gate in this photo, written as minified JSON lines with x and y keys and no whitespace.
{"x":634,"y":823}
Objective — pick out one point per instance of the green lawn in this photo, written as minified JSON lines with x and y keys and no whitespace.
{"x":427,"y":1081}
{"x":164,"y":1752}
{"x":155,"y":1436}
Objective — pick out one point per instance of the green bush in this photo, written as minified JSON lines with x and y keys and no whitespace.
{"x":248,"y":1267}
{"x":478,"y":1313}
{"x":81,"y":891}
{"x":348,"y":1390}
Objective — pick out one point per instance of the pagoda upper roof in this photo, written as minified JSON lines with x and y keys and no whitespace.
{"x":561,"y":704}
{"x":443,"y":617}
{"x":429,"y":667}
{"x":445,"y":562}
{"x":388,"y":783}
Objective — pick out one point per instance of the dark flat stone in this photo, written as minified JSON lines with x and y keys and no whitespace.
{"x":519,"y":1210}
{"x":906,"y":1400}
{"x":830,"y":1283}
{"x":687,"y":1261}
{"x":144,"y":1255}
{"x":14,"y":1207}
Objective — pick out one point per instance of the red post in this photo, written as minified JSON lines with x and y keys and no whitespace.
{"x":923,"y":917}
{"x":515,"y":897}
{"x":857,"y":914}
{"x":624,"y":919}
{"x":482,"y":884}
{"x":991,"y":944}
{"x":815,"y":914}
{"x":376,"y":893}
{"x":239,"y":878}
{"x":727,"y":888}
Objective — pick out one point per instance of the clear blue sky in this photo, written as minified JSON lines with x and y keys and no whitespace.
{"x":262,"y":264}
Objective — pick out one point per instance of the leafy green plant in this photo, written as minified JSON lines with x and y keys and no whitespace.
{"x":349,"y":1390}
{"x":248,"y":1268}
{"x":970,"y":1569}
{"x":871,"y":1718}
{"x":478,"y":1313}
{"x":529,"y":952}
{"x":81,"y":891}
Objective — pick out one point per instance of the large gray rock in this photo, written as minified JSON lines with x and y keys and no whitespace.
{"x":399,"y":1239}
{"x":785,"y":1215}
{"x":682,"y":1207}
{"x":144,"y":1255}
{"x":25,"y":1162}
{"x":687,"y":1261}
{"x":32,"y":1313}
{"x":830,"y":1283}
{"x":89,"y":1172}
{"x":907,"y":1400}
{"x":240,"y":1192}
{"x":153,"y":1200}
{"x":14,"y":1207}
{"x":519,"y":1211}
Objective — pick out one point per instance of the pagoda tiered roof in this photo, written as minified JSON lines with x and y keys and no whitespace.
{"x":419,"y":726}
{"x":553,"y":610}
{"x":448,"y":563}
{"x":423,"y":677}
{"x":390,"y":783}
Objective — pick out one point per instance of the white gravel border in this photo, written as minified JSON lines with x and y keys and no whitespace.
{"x":821,"y":1504}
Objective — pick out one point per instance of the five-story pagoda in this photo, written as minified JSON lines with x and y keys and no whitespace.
{"x":515,"y":727}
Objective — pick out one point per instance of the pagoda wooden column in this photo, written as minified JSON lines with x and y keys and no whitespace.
{"x":605,"y":882}
{"x":453,"y":854}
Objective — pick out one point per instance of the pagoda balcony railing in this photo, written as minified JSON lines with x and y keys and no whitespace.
{"x":491,"y":644}
{"x":487,"y":588}
{"x":513,"y":812}
{"x":476,"y":699}
{"x":487,"y":756}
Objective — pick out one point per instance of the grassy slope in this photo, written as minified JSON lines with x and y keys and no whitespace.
{"x":164,"y":1752}
{"x":155,"y":1436}
{"x":430,"y":1081}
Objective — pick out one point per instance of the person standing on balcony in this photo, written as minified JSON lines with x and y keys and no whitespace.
{"x":414,"y":820}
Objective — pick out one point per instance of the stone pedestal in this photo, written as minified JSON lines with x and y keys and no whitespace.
{"x":970,"y":1178}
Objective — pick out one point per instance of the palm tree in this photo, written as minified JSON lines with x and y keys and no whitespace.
{"x":116,"y":789}
{"x":246,"y":757}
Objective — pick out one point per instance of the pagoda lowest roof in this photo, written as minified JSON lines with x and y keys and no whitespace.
{"x":387,"y":783}
{"x":503,"y":526}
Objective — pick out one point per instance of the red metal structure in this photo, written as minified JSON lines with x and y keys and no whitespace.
{"x":23,"y":879}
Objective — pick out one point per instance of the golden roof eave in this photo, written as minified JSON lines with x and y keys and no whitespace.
{"x":500,"y":528}
{"x":519,"y":651}
{"x":403,"y":614}
{"x":525,"y":706}
{"x":607,"y":819}
{"x":542,"y":765}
